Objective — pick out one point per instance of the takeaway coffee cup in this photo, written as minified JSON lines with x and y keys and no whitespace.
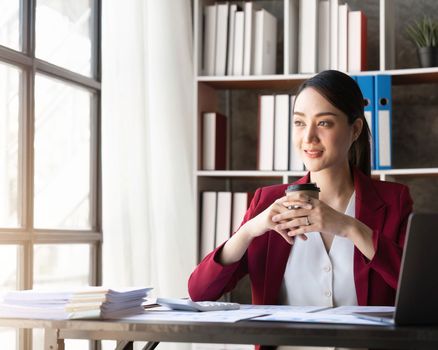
{"x":309,"y":189}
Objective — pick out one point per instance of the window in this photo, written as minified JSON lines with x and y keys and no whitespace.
{"x":50,"y":227}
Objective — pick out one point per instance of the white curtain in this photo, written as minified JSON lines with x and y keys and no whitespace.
{"x":147,"y":142}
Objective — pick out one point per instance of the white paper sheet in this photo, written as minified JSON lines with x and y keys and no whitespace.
{"x":270,"y":309}
{"x":229,"y":316}
{"x":348,"y":310}
{"x":316,"y":318}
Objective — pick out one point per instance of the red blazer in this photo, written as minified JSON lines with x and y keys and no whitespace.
{"x":383,"y":206}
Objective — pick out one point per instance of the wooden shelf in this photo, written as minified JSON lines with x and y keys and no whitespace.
{"x":291,"y":81}
{"x":279,"y":174}
{"x":407,"y":172}
{"x":248,"y":173}
{"x":255,"y":81}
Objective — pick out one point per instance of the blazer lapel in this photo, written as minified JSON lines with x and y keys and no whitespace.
{"x":371,"y":210}
{"x":277,"y":254}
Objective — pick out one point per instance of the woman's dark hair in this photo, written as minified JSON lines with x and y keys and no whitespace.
{"x":343,"y":93}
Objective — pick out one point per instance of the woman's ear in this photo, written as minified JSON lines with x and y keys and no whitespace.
{"x":357,"y":128}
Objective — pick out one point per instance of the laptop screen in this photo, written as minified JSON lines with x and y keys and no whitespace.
{"x":417,"y":292}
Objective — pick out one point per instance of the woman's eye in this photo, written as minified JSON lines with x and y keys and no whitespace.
{"x":298,"y":123}
{"x":324,"y":123}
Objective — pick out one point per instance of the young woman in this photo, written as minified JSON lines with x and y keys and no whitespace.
{"x":344,"y":248}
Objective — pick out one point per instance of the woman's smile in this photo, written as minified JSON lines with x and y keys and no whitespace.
{"x":313,"y":153}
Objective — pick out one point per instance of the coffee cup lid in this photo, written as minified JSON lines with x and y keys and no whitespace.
{"x":311,"y":186}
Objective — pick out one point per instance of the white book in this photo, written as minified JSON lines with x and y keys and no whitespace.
{"x":208,"y":140}
{"x":230,"y":46}
{"x":307,"y":53}
{"x":209,"y":39}
{"x":292,"y":33}
{"x":239,"y":27}
{"x":214,"y":127}
{"x":343,"y":37}
{"x":334,"y":11}
{"x":356,"y":41}
{"x":248,"y":43}
{"x":266,"y":133}
{"x":387,"y":39}
{"x":281,"y":132}
{"x":265,"y":45}
{"x":240,"y":206}
{"x":384,"y":138}
{"x":295,"y":161}
{"x":223,"y":217}
{"x":323,"y":35}
{"x":221,"y":38}
{"x":208,"y":222}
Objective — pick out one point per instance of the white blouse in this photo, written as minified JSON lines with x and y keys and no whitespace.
{"x":315,"y":277}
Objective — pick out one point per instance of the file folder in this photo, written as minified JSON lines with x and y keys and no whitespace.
{"x":366,"y":85}
{"x":383,"y":110}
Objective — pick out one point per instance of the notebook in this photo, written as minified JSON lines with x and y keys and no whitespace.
{"x":416,"y":300}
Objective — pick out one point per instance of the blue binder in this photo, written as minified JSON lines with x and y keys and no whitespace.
{"x":366,"y":84}
{"x":383,"y":119}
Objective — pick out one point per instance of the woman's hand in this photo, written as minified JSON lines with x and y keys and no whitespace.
{"x":264,"y":221}
{"x":316,"y":216}
{"x":313,"y":215}
{"x":236,"y":246}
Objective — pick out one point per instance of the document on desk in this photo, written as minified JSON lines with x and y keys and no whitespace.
{"x":338,"y":315}
{"x":316,"y":318}
{"x":83,"y":302}
{"x":271,"y":309}
{"x":350,"y":310}
{"x":226,"y":316}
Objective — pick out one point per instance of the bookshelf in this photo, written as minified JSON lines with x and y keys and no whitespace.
{"x":287,"y":81}
{"x":236,"y":97}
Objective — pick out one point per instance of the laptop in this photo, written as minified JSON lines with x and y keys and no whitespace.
{"x":416,"y":300}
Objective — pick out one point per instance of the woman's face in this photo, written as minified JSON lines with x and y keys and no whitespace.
{"x":321,"y":132}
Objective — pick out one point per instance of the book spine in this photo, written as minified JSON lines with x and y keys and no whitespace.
{"x":266,"y":133}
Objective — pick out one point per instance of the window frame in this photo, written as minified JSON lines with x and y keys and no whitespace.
{"x":26,"y":236}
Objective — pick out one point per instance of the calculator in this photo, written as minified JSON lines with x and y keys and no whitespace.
{"x":189,"y":305}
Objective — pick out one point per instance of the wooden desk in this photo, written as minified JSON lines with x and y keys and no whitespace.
{"x":244,"y":332}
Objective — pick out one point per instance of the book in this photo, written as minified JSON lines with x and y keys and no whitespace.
{"x":334,"y":12}
{"x":295,"y":161}
{"x":248,"y":42}
{"x":208,"y":222}
{"x":281,"y":132}
{"x":265,"y":46}
{"x":387,"y":39}
{"x":214,"y":139}
{"x":382,"y":124}
{"x":241,"y":202}
{"x":230,"y":46}
{"x":221,"y":38}
{"x":357,"y":41}
{"x":307,"y":36}
{"x":323,"y":35}
{"x":366,"y":85}
{"x":223,"y":217}
{"x":209,"y":39}
{"x":239,"y":28}
{"x":291,"y":35}
{"x":265,"y":156}
{"x":343,"y":37}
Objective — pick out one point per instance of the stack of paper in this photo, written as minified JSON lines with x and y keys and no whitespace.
{"x":89,"y":302}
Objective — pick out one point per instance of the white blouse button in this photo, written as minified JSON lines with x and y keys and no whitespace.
{"x":328,"y":293}
{"x":327,"y":268}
